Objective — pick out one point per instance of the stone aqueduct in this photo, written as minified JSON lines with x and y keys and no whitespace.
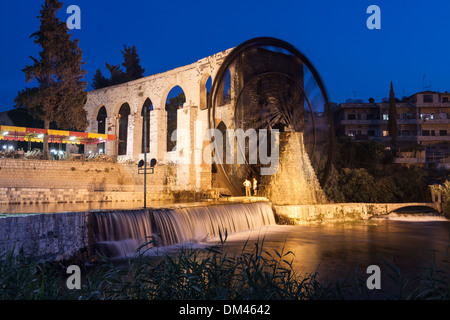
{"x":114,"y":107}
{"x":191,"y":175}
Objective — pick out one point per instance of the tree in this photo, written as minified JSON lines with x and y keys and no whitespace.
{"x":117,"y":74}
{"x":131,"y":63}
{"x":357,"y":185}
{"x":60,"y":95}
{"x":99,"y":81}
{"x":133,"y":70}
{"x":392,"y":122}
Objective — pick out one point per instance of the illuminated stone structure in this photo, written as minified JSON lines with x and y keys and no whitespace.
{"x":118,"y":110}
{"x":295,"y":182}
{"x":124,"y":103}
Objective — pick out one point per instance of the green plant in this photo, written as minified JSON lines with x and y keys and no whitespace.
{"x":209,"y":274}
{"x":444,"y":191}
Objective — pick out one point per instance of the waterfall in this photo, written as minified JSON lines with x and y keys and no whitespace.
{"x":120,"y":233}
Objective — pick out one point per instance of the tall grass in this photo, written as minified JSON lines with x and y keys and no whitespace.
{"x":206,"y":274}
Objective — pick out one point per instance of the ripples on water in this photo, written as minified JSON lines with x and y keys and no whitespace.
{"x":413,"y":242}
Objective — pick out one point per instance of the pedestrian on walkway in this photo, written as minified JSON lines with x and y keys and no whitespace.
{"x":247,"y":185}
{"x":255,"y":187}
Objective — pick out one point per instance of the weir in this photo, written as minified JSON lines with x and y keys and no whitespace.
{"x":120,"y":233}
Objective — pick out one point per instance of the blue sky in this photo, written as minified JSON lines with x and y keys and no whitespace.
{"x":413,"y":41}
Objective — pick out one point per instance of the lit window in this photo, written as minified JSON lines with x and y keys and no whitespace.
{"x":385,"y":116}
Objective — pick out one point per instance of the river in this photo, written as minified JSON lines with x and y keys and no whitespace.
{"x":411,"y":242}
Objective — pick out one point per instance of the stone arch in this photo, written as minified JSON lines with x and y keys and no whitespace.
{"x":123,"y":114}
{"x":92,"y":117}
{"x":175,"y":100}
{"x":223,"y":130}
{"x":147,"y":105}
{"x":102,"y":115}
{"x":224,"y":93}
{"x":412,"y":207}
{"x":220,"y":171}
{"x":205,"y":89}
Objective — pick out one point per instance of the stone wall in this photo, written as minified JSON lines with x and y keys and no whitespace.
{"x":191,"y":79}
{"x":38,"y":181}
{"x":58,"y":236}
{"x":295,"y":182}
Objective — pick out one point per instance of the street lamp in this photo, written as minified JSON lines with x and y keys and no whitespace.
{"x":142,"y":169}
{"x":143,"y":163}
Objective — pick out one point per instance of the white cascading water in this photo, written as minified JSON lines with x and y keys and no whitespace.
{"x":120,"y":233}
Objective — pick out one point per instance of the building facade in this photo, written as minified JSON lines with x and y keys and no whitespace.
{"x":423,"y":121}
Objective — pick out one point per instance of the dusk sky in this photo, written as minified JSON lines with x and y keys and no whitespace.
{"x":412,"y":48}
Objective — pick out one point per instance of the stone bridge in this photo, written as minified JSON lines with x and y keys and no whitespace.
{"x":391,"y":207}
{"x":298,"y":214}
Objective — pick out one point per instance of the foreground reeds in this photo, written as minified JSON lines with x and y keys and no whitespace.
{"x":206,"y":274}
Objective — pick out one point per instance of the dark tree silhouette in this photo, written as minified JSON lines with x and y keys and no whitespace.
{"x":117,"y":74}
{"x":131,"y":63}
{"x":392,"y":122}
{"x":99,"y":81}
{"x":60,"y":95}
{"x":133,"y":70}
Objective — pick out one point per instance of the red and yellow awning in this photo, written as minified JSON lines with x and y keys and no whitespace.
{"x":12,"y":133}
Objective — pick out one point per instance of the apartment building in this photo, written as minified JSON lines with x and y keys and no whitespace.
{"x":423,"y":121}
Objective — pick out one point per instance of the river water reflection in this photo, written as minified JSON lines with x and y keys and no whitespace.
{"x":413,"y":243}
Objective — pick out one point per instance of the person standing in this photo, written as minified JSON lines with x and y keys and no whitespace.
{"x":247,"y":186}
{"x":255,"y":187}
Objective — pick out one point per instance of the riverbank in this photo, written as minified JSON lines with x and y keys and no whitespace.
{"x":68,"y":234}
{"x":214,"y":273}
